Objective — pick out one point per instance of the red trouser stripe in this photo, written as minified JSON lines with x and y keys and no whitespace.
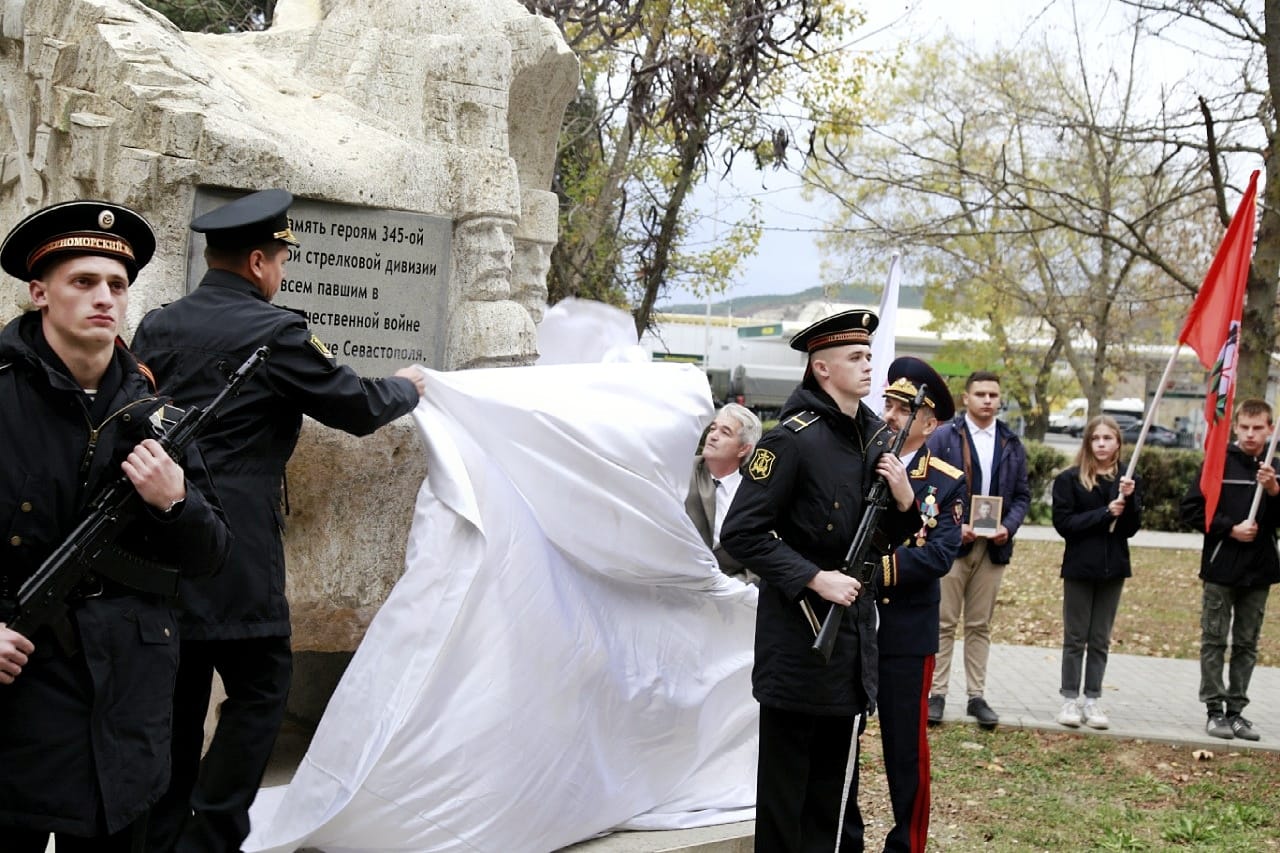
{"x":920,"y":811}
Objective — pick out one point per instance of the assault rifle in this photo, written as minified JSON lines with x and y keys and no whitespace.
{"x":855,"y":562}
{"x":42,"y":599}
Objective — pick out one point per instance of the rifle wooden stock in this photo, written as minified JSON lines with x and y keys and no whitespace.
{"x":874,"y":506}
{"x":42,"y":599}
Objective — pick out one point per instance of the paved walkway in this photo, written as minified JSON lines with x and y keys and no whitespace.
{"x":1142,"y":539}
{"x":1149,"y":698}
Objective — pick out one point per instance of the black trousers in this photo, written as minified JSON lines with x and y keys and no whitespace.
{"x":903,"y":709}
{"x":131,"y":839}
{"x":803,"y":761}
{"x":207,"y":805}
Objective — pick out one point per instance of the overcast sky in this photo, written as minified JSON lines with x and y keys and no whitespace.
{"x":788,"y":259}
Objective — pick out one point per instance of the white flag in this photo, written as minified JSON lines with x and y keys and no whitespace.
{"x":882,"y":349}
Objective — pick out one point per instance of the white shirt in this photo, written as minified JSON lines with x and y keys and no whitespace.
{"x":984,"y":442}
{"x":726,"y":488}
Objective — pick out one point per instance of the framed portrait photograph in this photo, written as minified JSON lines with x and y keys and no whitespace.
{"x":984,"y":514}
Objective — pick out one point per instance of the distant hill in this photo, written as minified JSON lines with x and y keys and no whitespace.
{"x":908,"y":297}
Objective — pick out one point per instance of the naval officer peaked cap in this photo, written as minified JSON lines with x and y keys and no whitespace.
{"x":906,"y":375}
{"x":77,"y":228}
{"x":253,"y":220}
{"x":847,"y":327}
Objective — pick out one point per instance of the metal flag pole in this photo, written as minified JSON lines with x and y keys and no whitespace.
{"x":1146,"y":422}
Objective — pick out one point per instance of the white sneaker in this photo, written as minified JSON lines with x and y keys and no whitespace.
{"x":1093,"y":716}
{"x":1070,"y":714}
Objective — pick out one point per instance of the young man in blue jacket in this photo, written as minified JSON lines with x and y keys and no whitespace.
{"x":994,"y":463}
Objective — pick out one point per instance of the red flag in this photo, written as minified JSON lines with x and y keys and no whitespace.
{"x":1213,"y":331}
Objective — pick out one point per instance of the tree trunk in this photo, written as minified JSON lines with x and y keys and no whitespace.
{"x":655,"y":274}
{"x":1258,"y":329}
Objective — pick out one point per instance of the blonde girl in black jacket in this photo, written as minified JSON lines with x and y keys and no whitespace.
{"x":1096,"y":511}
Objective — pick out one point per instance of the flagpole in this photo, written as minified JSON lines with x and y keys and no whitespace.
{"x":1147,"y":420}
{"x":1257,"y":492}
{"x":883,"y":348}
{"x":1151,"y":412}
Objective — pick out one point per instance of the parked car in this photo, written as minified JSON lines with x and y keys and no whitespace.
{"x":1157,"y":436}
{"x":1073,"y":417}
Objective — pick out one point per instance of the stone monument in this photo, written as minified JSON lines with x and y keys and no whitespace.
{"x":419,"y":139}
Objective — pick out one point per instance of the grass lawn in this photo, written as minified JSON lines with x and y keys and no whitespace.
{"x":1159,"y":611}
{"x":1024,"y":790}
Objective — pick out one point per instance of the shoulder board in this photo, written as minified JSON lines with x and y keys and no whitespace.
{"x":800,"y":420}
{"x":945,"y":467}
{"x":5,"y":366}
{"x":301,"y":313}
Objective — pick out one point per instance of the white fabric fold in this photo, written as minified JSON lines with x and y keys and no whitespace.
{"x":561,"y":656}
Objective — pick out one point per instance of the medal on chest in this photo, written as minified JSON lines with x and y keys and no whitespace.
{"x":929,"y":513}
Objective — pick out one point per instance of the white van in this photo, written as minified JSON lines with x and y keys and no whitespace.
{"x":1072,"y":417}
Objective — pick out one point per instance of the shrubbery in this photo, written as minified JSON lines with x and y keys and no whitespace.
{"x":1043,"y":464}
{"x":1165,"y":474}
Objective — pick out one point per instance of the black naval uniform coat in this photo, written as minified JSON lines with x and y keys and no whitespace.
{"x":908,"y":593}
{"x":84,"y":736}
{"x":796,"y":512}
{"x":193,"y":345}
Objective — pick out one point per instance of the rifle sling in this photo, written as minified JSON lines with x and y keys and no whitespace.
{"x":137,"y":573}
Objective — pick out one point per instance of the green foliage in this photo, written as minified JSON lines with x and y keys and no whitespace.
{"x":1191,"y":829}
{"x":1024,"y":790}
{"x":672,"y":91}
{"x":1043,"y":464}
{"x":1117,"y":838}
{"x":1244,"y":816}
{"x":215,"y":16}
{"x":1166,"y":473}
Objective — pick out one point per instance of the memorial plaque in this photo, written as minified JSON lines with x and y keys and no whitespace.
{"x":373,"y":283}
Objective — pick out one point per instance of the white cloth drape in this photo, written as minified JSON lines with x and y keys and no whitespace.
{"x":561,"y":656}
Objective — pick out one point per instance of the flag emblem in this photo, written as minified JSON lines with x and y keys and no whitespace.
{"x":1222,"y":378}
